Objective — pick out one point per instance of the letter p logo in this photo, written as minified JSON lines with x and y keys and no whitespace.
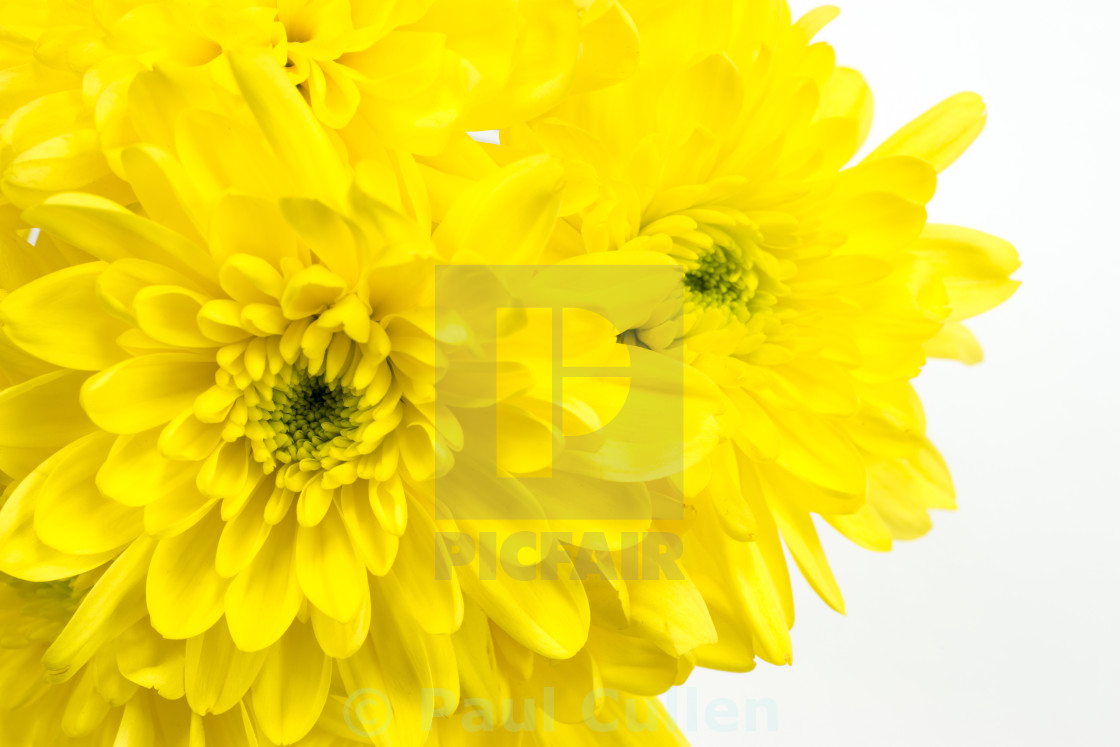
{"x":560,"y":419}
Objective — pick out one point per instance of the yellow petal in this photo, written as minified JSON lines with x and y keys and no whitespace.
{"x":974,"y":267}
{"x":326,"y":233}
{"x":581,"y":678}
{"x":218,"y":674}
{"x":479,"y":672}
{"x":631,"y":663}
{"x":288,"y":123}
{"x":669,"y":611}
{"x":955,"y":341}
{"x":163,"y":189}
{"x":85,"y":709}
{"x":864,"y":527}
{"x":144,"y":392}
{"x":334,"y":96}
{"x":176,"y":512}
{"x":59,"y":318}
{"x":941,"y":134}
{"x":904,"y":176}
{"x":817,"y":450}
{"x":428,"y":582}
{"x":342,"y":640}
{"x":396,"y":662}
{"x":742,"y":582}
{"x":726,"y":493}
{"x":185,"y":592}
{"x":507,"y":217}
{"x":153,"y":662}
{"x":548,"y":616}
{"x":135,"y":473}
{"x":376,"y":546}
{"x":110,"y":232}
{"x":242,"y":224}
{"x":168,"y":314}
{"x":22,"y":553}
{"x":610,"y":47}
{"x":800,"y":536}
{"x":876,"y":222}
{"x":708,"y":95}
{"x":187,"y":438}
{"x":311,"y":291}
{"x":328,"y":568}
{"x":229,"y":473}
{"x":846,"y":94}
{"x":71,"y":514}
{"x":244,"y":535}
{"x":114,"y":603}
{"x":37,"y":418}
{"x":249,"y":279}
{"x":64,"y":163}
{"x":292,"y":687}
{"x":264,"y":598}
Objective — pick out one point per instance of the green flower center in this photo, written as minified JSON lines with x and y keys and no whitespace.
{"x":723,"y":277}
{"x":309,"y":414}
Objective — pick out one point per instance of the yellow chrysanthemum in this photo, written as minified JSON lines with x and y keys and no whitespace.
{"x":237,"y":419}
{"x":129,"y":688}
{"x":227,"y":392}
{"x":402,"y":74}
{"x":128,"y":683}
{"x":814,"y":291}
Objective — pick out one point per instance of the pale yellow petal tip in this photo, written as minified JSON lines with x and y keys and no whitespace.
{"x":956,"y":342}
{"x":940,"y":135}
{"x":816,"y":19}
{"x":966,"y":98}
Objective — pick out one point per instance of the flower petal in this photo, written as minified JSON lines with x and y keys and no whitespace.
{"x":37,"y":417}
{"x":147,"y":391}
{"x":941,"y":134}
{"x":507,"y":217}
{"x":59,"y":319}
{"x":265,"y":597}
{"x":288,"y":705}
{"x":114,"y":603}
{"x":218,"y":674}
{"x":185,"y":592}
{"x":71,"y":514}
{"x":328,"y":568}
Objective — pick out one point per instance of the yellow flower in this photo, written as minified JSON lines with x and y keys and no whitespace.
{"x":239,"y":409}
{"x":127,"y":682}
{"x":814,"y":291}
{"x":228,"y":393}
{"x":403,"y":74}
{"x":128,"y":685}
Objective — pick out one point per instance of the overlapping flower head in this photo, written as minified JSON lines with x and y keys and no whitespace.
{"x":815,"y":290}
{"x":223,"y":356}
{"x":398,"y":74}
{"x":238,"y":365}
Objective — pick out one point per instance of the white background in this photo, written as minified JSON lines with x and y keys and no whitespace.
{"x":1001,"y":626}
